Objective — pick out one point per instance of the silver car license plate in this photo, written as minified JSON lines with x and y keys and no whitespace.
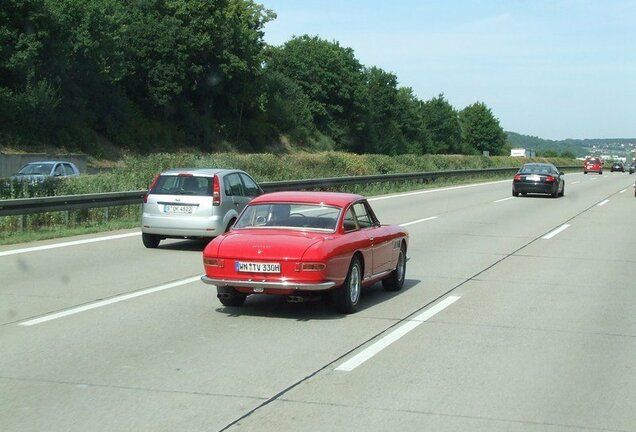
{"x":533,"y":177}
{"x":254,"y":267}
{"x":182,"y":209}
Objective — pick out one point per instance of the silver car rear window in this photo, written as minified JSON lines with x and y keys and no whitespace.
{"x":183,"y":185}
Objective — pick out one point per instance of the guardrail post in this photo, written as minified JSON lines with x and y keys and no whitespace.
{"x":21,"y":223}
{"x":106,"y":214}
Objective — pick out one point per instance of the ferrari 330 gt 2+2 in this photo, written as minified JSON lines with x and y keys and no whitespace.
{"x":302,"y":244}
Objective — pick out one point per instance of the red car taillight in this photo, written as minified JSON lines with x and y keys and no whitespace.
{"x":152,"y":184}
{"x":518,"y":177}
{"x":550,"y":179}
{"x":213,"y":262}
{"x":310,"y":266}
{"x":216,"y":191}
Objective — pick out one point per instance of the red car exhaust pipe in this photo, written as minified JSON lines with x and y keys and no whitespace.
{"x":301,"y":298}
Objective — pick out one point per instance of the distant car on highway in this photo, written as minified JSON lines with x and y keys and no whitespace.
{"x":538,"y":178}
{"x":37,"y":172}
{"x":593,"y":164}
{"x":194,"y":203}
{"x":302,"y":244}
{"x":632,"y":167}
{"x":617,"y":166}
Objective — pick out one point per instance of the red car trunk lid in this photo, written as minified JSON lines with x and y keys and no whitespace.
{"x":267,"y":245}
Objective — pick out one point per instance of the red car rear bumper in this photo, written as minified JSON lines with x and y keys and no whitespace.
{"x":257,"y":286}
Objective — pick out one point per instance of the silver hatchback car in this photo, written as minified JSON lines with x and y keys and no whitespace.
{"x":37,"y":172}
{"x":194,"y":203}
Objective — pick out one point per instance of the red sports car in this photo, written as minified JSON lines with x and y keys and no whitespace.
{"x":302,"y":244}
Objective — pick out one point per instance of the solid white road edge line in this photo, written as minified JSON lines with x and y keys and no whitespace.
{"x":395,"y":335}
{"x":576,"y":182}
{"x":109,"y":301}
{"x":503,"y":199}
{"x":556,"y":231}
{"x":602,"y":203}
{"x":623,"y":191}
{"x":66,"y":244}
{"x":418,"y":221}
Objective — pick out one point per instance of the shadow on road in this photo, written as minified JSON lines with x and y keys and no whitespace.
{"x":273,"y":306}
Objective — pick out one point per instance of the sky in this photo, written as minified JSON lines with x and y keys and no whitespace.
{"x":554,"y":69}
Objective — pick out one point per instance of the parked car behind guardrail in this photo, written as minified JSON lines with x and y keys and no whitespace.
{"x":36,"y":172}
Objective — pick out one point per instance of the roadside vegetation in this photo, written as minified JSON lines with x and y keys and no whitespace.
{"x":137,"y":172}
{"x":164,"y":75}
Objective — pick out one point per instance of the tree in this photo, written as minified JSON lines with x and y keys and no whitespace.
{"x":381,"y":132}
{"x":330,"y":76}
{"x":411,"y":123}
{"x":29,"y":93}
{"x":135,"y":72}
{"x":197,"y":62}
{"x":480,"y":129}
{"x":442,"y":123}
{"x":286,"y":107}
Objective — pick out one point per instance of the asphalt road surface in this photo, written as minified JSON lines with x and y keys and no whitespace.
{"x":517,"y":314}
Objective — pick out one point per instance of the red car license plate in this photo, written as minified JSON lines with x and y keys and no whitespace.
{"x":254,"y":267}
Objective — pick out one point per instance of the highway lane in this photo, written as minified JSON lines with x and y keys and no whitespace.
{"x":520,"y":350}
{"x":176,"y":358}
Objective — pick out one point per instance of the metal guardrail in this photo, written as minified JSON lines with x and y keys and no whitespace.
{"x":25,"y":206}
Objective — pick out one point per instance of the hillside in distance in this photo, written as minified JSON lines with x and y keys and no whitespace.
{"x":579,"y":147}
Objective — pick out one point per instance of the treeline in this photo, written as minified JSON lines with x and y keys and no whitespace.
{"x":158,"y":75}
{"x":548,"y":148}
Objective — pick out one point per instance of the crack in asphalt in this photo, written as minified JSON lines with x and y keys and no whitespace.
{"x":143,"y":389}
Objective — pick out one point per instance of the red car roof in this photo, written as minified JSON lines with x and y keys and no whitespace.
{"x":337,"y":199}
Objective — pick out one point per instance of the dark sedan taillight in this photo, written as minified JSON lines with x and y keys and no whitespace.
{"x":518,"y":177}
{"x":549,"y":179}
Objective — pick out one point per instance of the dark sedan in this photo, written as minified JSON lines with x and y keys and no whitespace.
{"x":617,"y":166}
{"x":538,"y":178}
{"x":632,"y":167}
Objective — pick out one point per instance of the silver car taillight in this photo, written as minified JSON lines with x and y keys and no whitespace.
{"x":216,"y":191}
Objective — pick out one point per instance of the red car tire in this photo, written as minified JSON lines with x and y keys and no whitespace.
{"x":347,"y":297}
{"x":396,"y":280}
